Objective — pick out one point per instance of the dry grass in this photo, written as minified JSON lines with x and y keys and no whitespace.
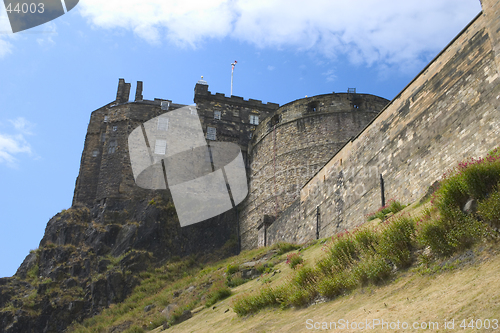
{"x":470,"y":292}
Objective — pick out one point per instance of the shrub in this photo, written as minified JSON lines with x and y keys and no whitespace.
{"x":451,"y":233}
{"x":267,"y":296}
{"x":392,"y":206}
{"x":294,"y":259}
{"x":231,"y":269}
{"x":472,"y":178}
{"x":489,"y":209}
{"x":335,"y":284}
{"x":343,"y":251}
{"x":366,"y":240}
{"x":373,"y":269}
{"x":395,"y":206}
{"x":284,"y":247}
{"x":299,"y":297}
{"x":217,"y":292}
{"x":396,"y":241}
{"x":305,"y":277}
{"x":233,"y":282}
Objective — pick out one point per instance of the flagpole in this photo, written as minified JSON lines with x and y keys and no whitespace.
{"x":232,"y":71}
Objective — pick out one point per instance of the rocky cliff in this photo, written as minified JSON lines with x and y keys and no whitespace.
{"x":91,"y":257}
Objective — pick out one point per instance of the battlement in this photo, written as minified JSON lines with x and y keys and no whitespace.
{"x":202,"y":93}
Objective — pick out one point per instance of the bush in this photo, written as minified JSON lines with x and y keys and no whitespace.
{"x":284,"y":247}
{"x":294,"y":259}
{"x":299,"y":297}
{"x":267,"y":296}
{"x":473,"y":178}
{"x":366,"y":240}
{"x":335,"y":284}
{"x":396,"y":241}
{"x":231,"y":269}
{"x":451,"y":233}
{"x":489,"y":209}
{"x":305,"y":277}
{"x":392,"y":206}
{"x":217,"y":292}
{"x":233,"y":282}
{"x":395,"y":206}
{"x":343,"y":251}
{"x":374,"y":269}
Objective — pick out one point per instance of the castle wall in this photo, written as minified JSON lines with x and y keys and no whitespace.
{"x":105,"y":170}
{"x":234,"y":124}
{"x":288,"y":148}
{"x":450,"y":111}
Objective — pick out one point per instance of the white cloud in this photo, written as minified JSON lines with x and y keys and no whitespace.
{"x":12,"y":144}
{"x":270,"y":68}
{"x":5,"y":33}
{"x":330,"y":75}
{"x":390,"y":32}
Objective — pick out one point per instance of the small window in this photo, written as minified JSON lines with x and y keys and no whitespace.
{"x":162,"y":124}
{"x":112,"y":147}
{"x":115,"y":128}
{"x":312,"y":107}
{"x":95,"y":153}
{"x":103,"y":137}
{"x":105,"y":119}
{"x":276,"y":119}
{"x":254,"y":120}
{"x":217,"y":115}
{"x":211,"y":133}
{"x":161,"y":147}
{"x":165,"y":105}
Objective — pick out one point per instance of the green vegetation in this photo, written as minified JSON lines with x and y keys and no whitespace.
{"x":392,"y":206}
{"x":284,"y":247}
{"x":294,"y":259}
{"x":429,"y":242}
{"x":373,"y":255}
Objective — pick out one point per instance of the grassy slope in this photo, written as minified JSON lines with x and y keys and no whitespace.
{"x":466,"y":288}
{"x":470,"y":291}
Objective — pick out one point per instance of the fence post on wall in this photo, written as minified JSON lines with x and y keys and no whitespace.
{"x":317,"y":222}
{"x":382,"y":190}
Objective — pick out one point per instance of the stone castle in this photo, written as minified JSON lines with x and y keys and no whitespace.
{"x":315,"y":165}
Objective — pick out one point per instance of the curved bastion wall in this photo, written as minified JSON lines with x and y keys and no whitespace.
{"x":290,"y":146}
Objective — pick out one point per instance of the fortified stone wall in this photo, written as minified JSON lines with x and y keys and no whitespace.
{"x":449,"y":112}
{"x":230,"y":116}
{"x":105,"y":171}
{"x":288,"y":148}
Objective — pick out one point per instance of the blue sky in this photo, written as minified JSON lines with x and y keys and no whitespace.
{"x":54,"y":75}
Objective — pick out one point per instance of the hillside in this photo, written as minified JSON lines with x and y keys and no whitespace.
{"x":456,"y":287}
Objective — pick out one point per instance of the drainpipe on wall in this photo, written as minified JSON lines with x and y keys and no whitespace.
{"x":382,"y":190}
{"x":317,"y":222}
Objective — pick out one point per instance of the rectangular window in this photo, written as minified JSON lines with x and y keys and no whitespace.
{"x":95,"y":153}
{"x":105,"y":119}
{"x":161,"y":147}
{"x":254,"y":120}
{"x":211,"y":133}
{"x":217,"y":115}
{"x":115,"y":128}
{"x":112,"y":147}
{"x":162,"y":124}
{"x":165,"y":105}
